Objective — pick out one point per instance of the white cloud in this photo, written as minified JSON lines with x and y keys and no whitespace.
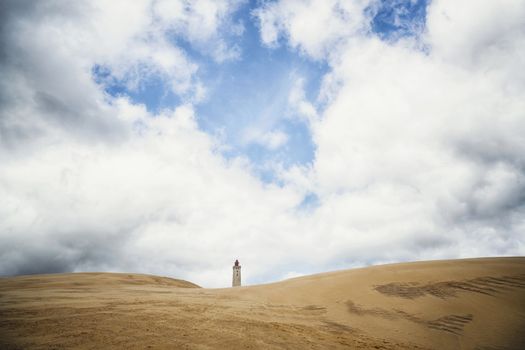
{"x":272,"y":140}
{"x":311,"y":26}
{"x":299,"y":104}
{"x":468,"y":31}
{"x":486,"y":38}
{"x":203,"y":23}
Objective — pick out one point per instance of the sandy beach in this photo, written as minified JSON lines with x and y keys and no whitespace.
{"x":451,"y":304}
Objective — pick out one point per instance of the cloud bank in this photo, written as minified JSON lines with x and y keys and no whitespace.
{"x":420,"y":146}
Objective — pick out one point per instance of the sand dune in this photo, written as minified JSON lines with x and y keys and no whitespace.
{"x":453,"y":304}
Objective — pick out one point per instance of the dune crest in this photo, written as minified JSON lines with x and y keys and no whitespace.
{"x":449,"y":304}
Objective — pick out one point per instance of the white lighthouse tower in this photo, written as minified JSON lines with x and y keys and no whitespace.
{"x":236,"y":281}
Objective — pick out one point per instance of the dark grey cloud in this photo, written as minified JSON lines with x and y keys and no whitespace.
{"x":496,"y":195}
{"x":43,"y":91}
{"x":64,"y":250}
{"x":89,"y":121}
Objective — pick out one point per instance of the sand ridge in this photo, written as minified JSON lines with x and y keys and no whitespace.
{"x":450,"y":304}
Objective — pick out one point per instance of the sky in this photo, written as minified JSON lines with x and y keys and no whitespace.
{"x":172,"y":137}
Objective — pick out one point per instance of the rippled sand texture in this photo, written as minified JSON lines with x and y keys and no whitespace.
{"x":453,"y":304}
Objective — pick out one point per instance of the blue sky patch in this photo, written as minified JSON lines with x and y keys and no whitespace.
{"x":393,"y":19}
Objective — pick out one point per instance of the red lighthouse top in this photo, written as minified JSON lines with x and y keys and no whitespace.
{"x":236,"y":262}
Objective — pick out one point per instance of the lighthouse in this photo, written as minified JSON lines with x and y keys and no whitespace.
{"x":236,"y":281}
